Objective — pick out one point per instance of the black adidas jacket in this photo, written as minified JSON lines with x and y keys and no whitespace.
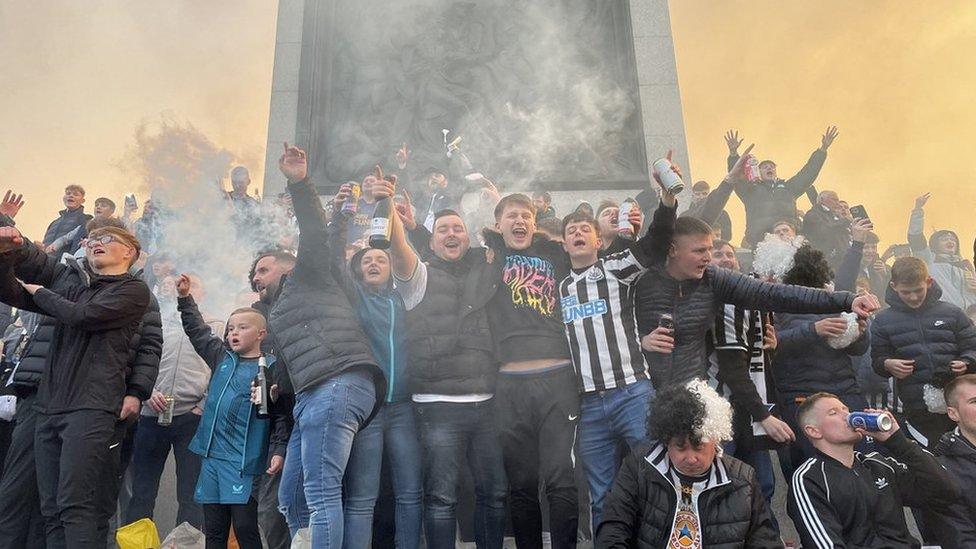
{"x":835,"y":506}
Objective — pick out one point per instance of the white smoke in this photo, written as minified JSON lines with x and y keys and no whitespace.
{"x":181,"y":170}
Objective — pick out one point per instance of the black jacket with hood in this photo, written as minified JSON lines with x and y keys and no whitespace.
{"x":933,"y":335}
{"x":315,"y":327}
{"x":96,"y":320}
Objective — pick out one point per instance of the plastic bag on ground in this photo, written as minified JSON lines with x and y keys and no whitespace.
{"x":140,"y":534}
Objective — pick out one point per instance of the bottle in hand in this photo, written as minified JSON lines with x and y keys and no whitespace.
{"x":261,"y":382}
{"x":379,"y":233}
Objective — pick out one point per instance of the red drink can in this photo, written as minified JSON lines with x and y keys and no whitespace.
{"x":751,"y":169}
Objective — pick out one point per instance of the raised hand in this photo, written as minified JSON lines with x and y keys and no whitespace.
{"x":293,"y":163}
{"x":11,"y":204}
{"x":667,"y":198}
{"x":10,"y":239}
{"x":636,"y":218}
{"x":402,"y":155}
{"x":922,"y":200}
{"x":489,"y":192}
{"x":342,"y":195}
{"x":736,"y":173}
{"x":384,"y":186}
{"x":183,"y":286}
{"x":733,"y":141}
{"x":828,"y":138}
{"x":860,"y":229}
{"x":405,"y":212}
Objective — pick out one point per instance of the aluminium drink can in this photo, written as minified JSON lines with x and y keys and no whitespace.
{"x":869,"y":421}
{"x":351,"y":206}
{"x":669,"y":179}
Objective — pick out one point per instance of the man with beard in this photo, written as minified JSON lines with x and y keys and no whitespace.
{"x":452,"y":374}
{"x":327,"y":355}
{"x":265,"y":276}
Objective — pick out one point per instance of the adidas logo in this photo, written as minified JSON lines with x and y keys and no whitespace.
{"x":881,"y":483}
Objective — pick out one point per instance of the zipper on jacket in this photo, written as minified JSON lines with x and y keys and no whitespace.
{"x":213,"y":426}
{"x":389,"y":391}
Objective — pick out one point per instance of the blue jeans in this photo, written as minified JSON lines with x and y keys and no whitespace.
{"x":609,"y":422}
{"x":392,"y":433}
{"x":149,"y":452}
{"x":327,"y":418}
{"x":455,"y":435}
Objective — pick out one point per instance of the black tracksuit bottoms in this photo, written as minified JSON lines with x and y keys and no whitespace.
{"x":538,"y":413}
{"x":21,"y":524}
{"x":72,"y":450}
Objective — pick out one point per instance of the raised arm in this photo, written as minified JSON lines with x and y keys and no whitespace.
{"x":922,"y":481}
{"x":210,"y":347}
{"x":747,"y":292}
{"x":916,"y":228}
{"x":799,"y":183}
{"x":405,"y":259}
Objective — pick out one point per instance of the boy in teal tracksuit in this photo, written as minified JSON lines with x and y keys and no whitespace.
{"x":231,"y":438}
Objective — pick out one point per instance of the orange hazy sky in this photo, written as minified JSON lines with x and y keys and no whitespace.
{"x":897,"y":78}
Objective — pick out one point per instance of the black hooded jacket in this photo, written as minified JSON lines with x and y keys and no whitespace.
{"x":96,"y":319}
{"x":315,"y":327}
{"x":933,"y":335}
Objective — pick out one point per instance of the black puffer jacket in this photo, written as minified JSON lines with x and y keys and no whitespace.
{"x":34,"y":356}
{"x":67,"y":221}
{"x":768,"y":202}
{"x":933,"y":335}
{"x":640,"y":508}
{"x":449,"y":338}
{"x":694,"y":303}
{"x":955,"y":528}
{"x":315,"y":327}
{"x":805,"y":364}
{"x":145,"y":352}
{"x":97,"y":317}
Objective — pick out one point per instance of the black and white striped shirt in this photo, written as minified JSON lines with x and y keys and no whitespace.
{"x":739,"y":329}
{"x":598,"y":311}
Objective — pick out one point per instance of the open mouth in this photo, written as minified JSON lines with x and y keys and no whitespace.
{"x":519,"y":232}
{"x":452,"y":244}
{"x":235,"y":341}
{"x":98,"y":251}
{"x":373,"y":271}
{"x":579,"y":242}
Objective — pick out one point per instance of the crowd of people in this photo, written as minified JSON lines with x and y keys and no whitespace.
{"x":621,"y":374}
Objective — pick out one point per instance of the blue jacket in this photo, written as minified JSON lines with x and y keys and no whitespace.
{"x":251,"y":450}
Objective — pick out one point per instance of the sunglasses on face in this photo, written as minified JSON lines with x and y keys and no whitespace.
{"x":103,"y":240}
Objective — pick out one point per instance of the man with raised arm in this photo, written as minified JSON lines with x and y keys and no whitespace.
{"x":452,"y":373}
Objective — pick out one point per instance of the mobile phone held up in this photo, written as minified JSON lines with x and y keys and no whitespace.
{"x":858,"y":212}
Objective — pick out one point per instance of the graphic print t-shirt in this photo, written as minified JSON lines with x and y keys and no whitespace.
{"x":525,"y":316}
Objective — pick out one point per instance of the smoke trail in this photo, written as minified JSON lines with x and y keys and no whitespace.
{"x":180,"y":169}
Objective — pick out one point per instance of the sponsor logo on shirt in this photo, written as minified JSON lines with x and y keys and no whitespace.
{"x":573,"y":310}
